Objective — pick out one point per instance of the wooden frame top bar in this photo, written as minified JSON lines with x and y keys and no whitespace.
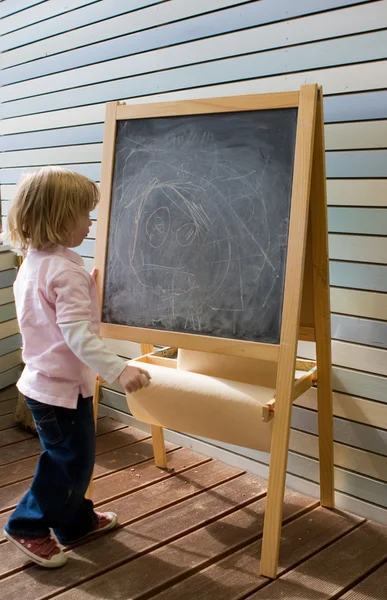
{"x":208,"y":105}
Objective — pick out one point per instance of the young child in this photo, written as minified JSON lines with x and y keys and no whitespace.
{"x":58,"y":314}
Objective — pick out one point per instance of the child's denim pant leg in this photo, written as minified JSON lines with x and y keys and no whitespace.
{"x":56,"y":498}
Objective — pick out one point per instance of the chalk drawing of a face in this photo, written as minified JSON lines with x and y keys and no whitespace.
{"x":194,"y":241}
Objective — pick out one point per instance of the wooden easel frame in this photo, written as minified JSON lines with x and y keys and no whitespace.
{"x":306,"y":306}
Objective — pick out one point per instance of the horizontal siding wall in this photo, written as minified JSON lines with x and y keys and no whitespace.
{"x":10,"y":340}
{"x":63,"y":60}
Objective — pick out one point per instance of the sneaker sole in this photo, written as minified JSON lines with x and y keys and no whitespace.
{"x":48,"y":564}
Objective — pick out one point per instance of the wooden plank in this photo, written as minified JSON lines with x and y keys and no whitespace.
{"x":5,"y":205}
{"x":209,"y":106}
{"x":63,"y":22}
{"x":107,"y":425}
{"x":349,"y":483}
{"x":8,"y":260}
{"x":7,"y":422}
{"x":191,"y":342}
{"x":69,"y":117}
{"x":14,"y":175}
{"x":142,"y":536}
{"x":123,"y":482}
{"x":348,"y":107}
{"x":360,"y":331}
{"x":7,"y":406}
{"x":348,"y":50}
{"x":131,"y":480}
{"x":347,"y":432}
{"x":7,"y":312}
{"x":333,"y":570}
{"x":123,"y":457}
{"x":67,"y":136}
{"x":178,"y":559}
{"x":159,"y":496}
{"x":356,"y":136}
{"x":10,"y":376}
{"x":260,"y":13}
{"x":363,"y":358}
{"x":85,"y":153}
{"x":87,"y":248}
{"x":356,"y":107}
{"x":9,"y":393}
{"x":358,"y":276}
{"x":105,"y":443}
{"x":349,"y":407}
{"x":13,"y":435}
{"x":362,"y":384}
{"x":357,"y":192}
{"x":144,"y":502}
{"x":6,"y":295}
{"x":358,"y":303}
{"x":357,"y":163}
{"x":11,"y":493}
{"x":7,"y":278}
{"x":143,"y":58}
{"x":37,"y":12}
{"x":117,"y":484}
{"x":367,"y":221}
{"x":346,"y":457}
{"x":301,"y":538}
{"x":9,"y":8}
{"x":344,"y":79}
{"x":108,"y":22}
{"x":9,"y":328}
{"x":298,"y":227}
{"x":374,"y":587}
{"x":11,"y":360}
{"x":108,"y":460}
{"x":359,"y":248}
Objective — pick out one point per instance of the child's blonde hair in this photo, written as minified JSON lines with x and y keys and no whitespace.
{"x":47,"y":207}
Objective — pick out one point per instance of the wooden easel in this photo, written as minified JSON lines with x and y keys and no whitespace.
{"x":306,"y":306}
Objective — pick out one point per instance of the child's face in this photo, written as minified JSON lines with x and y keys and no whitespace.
{"x":81,"y":230}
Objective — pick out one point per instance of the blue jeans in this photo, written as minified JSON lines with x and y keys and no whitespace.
{"x":56,"y":498}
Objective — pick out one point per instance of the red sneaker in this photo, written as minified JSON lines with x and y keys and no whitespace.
{"x":106,"y":521}
{"x":43,"y":551}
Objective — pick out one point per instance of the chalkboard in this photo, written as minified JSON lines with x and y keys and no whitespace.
{"x":199,"y":223}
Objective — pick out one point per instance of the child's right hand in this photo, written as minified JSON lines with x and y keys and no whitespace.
{"x":133,"y":379}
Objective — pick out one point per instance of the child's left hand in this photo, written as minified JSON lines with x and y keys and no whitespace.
{"x":94,"y":273}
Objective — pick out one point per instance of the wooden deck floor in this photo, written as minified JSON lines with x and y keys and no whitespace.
{"x":189,"y":533}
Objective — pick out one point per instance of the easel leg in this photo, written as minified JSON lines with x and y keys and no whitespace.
{"x":159,"y":447}
{"x":157,"y":432}
{"x":276,"y":487}
{"x":295,"y":265}
{"x":322,"y":313}
{"x":89,"y":491}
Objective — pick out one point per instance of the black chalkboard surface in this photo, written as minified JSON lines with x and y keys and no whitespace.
{"x":199,"y":223}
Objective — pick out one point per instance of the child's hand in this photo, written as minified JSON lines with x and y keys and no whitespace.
{"x":94,"y":274}
{"x":133,"y":379}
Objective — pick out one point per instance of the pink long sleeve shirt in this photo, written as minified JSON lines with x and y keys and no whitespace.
{"x":53,"y":289}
